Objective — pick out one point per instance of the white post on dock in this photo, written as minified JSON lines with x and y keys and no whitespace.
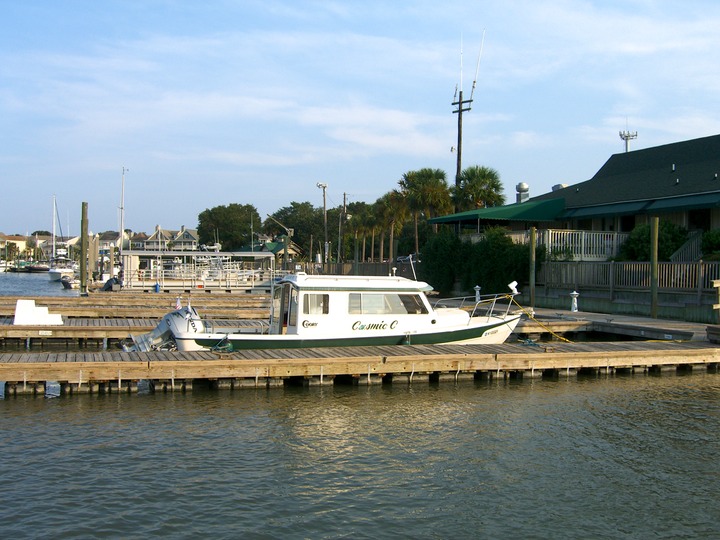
{"x":574,"y":302}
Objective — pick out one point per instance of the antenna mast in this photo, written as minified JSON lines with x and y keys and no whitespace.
{"x":627,"y":136}
{"x":464,"y":106}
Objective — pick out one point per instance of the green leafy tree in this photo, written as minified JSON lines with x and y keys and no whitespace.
{"x":711,"y":245}
{"x":230,"y":224}
{"x":356,"y":226}
{"x":637,"y":247}
{"x":441,"y":260}
{"x":307,"y":223}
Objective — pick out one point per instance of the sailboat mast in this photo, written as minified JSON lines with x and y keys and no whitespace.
{"x":54,"y":216}
{"x":122,"y":213}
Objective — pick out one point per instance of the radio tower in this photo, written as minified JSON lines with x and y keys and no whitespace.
{"x":626,"y":136}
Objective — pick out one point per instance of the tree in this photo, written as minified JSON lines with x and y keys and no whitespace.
{"x":479,"y":187}
{"x":426,"y":191}
{"x":356,"y":226}
{"x":637,"y":246}
{"x":306,"y":222}
{"x":230,"y":224}
{"x":391,"y":211}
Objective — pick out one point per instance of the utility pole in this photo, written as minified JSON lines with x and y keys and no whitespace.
{"x":343,"y":213}
{"x":324,"y":189}
{"x":463,"y":105}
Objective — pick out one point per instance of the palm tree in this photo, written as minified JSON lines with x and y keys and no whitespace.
{"x":392,"y":213}
{"x":425,"y":191}
{"x":479,"y":187}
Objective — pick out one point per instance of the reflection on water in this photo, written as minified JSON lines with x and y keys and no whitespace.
{"x":603,"y":458}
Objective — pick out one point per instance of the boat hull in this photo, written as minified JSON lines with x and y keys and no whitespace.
{"x":490,"y":332}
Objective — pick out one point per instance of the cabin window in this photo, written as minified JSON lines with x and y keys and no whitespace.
{"x":316,"y":304}
{"x":385,"y":304}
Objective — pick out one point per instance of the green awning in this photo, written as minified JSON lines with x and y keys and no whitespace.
{"x":546,"y":210}
{"x":703,"y":200}
{"x":603,"y":210}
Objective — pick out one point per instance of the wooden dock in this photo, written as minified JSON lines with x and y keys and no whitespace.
{"x":111,"y":372}
{"x":679,"y":346}
{"x":106,"y":332}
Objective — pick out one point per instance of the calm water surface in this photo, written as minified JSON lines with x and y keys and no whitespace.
{"x":633,"y":457}
{"x":26,"y":284}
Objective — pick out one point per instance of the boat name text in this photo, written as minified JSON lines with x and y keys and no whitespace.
{"x":382,"y":325}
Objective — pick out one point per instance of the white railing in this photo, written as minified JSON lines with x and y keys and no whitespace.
{"x":571,"y":245}
{"x":690,"y":250}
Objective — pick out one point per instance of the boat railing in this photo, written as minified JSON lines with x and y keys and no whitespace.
{"x":487,"y":305}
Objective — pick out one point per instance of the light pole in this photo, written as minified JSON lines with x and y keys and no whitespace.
{"x":324,"y":189}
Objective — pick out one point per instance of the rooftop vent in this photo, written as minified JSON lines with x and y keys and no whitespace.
{"x":523,"y":192}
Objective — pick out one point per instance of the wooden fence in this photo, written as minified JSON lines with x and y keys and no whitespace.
{"x":694,"y":276}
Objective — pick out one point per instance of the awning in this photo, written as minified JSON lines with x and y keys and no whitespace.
{"x":546,"y":210}
{"x":635,"y":207}
{"x":703,"y":200}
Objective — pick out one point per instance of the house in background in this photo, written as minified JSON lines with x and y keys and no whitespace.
{"x":677,"y":182}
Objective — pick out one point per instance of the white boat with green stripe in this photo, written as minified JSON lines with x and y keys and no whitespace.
{"x":342,"y":311}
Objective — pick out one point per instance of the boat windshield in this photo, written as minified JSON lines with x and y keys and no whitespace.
{"x":385,"y":304}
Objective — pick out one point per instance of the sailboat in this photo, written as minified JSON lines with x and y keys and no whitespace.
{"x":60,"y":265}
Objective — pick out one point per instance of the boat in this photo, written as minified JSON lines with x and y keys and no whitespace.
{"x":38,"y":266}
{"x":62,"y":268}
{"x":70,"y":282}
{"x":336,"y":311}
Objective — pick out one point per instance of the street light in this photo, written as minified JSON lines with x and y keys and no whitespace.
{"x":324,"y":188}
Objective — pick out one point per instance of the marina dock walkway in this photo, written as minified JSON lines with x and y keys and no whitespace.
{"x":535,"y":350}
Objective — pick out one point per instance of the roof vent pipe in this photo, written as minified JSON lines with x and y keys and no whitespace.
{"x":673,"y":167}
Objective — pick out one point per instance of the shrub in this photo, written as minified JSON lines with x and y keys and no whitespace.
{"x":711,"y":245}
{"x":637,"y":247}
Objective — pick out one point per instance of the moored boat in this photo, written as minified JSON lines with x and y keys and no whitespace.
{"x":332,"y":311}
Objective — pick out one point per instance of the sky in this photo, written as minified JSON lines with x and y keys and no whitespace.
{"x":210,"y":103}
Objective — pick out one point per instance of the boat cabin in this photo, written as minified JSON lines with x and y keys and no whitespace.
{"x":302,"y":301}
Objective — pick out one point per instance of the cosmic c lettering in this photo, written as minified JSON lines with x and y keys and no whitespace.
{"x":382,"y":325}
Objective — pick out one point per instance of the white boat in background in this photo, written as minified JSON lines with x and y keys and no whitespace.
{"x":336,"y":311}
{"x":56,"y":273}
{"x":70,"y":282}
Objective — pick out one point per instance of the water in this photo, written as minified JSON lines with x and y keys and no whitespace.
{"x":27,"y":284}
{"x":624,"y":457}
